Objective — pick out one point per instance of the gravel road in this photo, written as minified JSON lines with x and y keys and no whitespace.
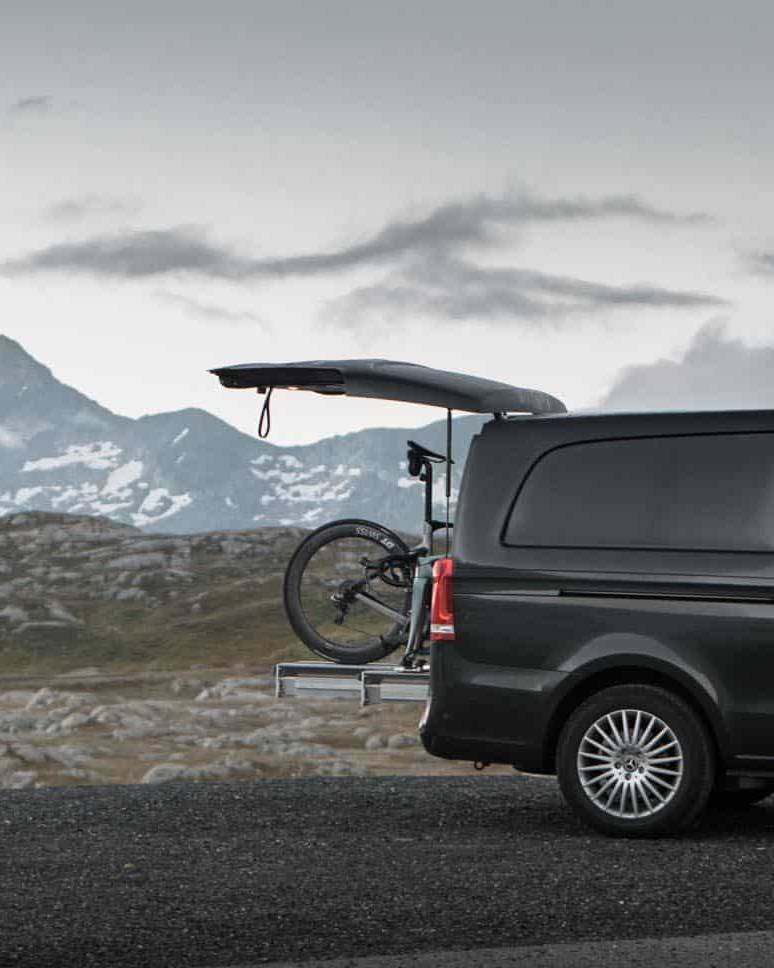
{"x":235,"y":874}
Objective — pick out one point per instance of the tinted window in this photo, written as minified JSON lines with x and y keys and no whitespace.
{"x":701,"y":492}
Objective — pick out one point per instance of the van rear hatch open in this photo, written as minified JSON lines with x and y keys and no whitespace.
{"x":392,"y":380}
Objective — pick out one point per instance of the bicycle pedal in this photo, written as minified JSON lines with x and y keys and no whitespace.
{"x":420,"y":667}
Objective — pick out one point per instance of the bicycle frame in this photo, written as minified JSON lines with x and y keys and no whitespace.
{"x":424,"y":556}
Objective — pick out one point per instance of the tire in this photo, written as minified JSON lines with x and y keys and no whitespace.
{"x":738,"y":799}
{"x":322,"y":561}
{"x":592,"y":769}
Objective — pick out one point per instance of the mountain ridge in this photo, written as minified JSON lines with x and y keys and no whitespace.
{"x":188,"y":470}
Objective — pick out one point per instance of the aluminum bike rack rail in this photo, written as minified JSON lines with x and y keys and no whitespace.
{"x":394,"y":685}
{"x":370,"y":684}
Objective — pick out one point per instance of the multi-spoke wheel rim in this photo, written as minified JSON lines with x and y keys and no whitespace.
{"x":630,"y":763}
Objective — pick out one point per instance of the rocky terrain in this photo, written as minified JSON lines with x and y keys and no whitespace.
{"x":127,"y":657}
{"x":189,"y":471}
{"x":94,"y":728}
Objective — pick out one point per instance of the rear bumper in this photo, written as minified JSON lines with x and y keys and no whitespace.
{"x":495,"y":714}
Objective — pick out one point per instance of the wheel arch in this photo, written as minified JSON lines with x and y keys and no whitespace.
{"x":670,"y":679}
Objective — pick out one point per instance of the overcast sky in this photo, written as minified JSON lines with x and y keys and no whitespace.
{"x":546,"y":193}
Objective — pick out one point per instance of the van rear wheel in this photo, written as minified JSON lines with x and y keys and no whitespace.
{"x":635,"y":761}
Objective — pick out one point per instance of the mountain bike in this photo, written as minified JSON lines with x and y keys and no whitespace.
{"x":355,"y":591}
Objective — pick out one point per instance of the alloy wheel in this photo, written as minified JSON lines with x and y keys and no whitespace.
{"x":630,"y":763}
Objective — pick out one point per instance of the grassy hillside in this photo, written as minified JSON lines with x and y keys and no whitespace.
{"x":78,"y":591}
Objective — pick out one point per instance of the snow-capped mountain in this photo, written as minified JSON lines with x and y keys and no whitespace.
{"x":189,"y":471}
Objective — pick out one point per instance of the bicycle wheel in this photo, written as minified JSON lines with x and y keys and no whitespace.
{"x":339,"y":602}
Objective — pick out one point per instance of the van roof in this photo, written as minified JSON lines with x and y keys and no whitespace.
{"x":597,"y":414}
{"x":598,"y":423}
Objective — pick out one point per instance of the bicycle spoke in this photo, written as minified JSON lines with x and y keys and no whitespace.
{"x":345,"y":600}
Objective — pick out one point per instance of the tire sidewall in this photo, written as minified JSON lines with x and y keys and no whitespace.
{"x":698,"y":760}
{"x":345,"y":528}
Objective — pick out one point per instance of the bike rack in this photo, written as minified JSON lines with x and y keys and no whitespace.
{"x":370,"y":684}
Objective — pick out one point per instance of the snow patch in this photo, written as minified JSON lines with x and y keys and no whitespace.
{"x":158,"y":504}
{"x":9,"y":439}
{"x":183,"y":433}
{"x":342,"y":470}
{"x":99,"y":456}
{"x":439,"y":492}
{"x":287,"y":477}
{"x":122,"y":477}
{"x":25,"y":494}
{"x":66,"y":495}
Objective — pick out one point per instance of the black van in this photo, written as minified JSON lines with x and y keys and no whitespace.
{"x":612,"y":591}
{"x":607,"y":611}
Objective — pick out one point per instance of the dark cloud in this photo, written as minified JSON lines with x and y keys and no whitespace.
{"x":75,"y":209}
{"x":761,"y":263}
{"x":452,"y":288}
{"x":433,"y":272}
{"x":448,"y":228}
{"x":40,"y":104}
{"x":135,"y":254}
{"x":715,"y":372}
{"x":208,"y":312}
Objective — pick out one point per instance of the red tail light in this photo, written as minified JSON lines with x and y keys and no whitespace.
{"x":442,"y":606}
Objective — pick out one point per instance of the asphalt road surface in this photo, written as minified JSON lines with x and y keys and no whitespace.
{"x":307,"y":870}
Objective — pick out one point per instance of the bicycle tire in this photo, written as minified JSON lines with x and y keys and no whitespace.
{"x":374,"y":645}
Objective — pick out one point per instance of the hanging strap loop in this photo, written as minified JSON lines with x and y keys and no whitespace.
{"x":264,"y":422}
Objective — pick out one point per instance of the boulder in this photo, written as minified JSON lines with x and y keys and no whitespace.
{"x":85,"y":776}
{"x":181,"y":685}
{"x":164,"y":773}
{"x":17,"y":697}
{"x":19,"y":780}
{"x":401,"y":740}
{"x":60,"y":614}
{"x":28,"y":754}
{"x":14,"y":614}
{"x":74,"y":721}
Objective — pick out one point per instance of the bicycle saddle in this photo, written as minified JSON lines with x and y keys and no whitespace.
{"x":421,"y":451}
{"x":417,"y":455}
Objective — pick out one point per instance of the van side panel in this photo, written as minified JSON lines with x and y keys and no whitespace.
{"x":533,"y":623}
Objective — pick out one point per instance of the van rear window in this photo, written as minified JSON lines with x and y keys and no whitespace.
{"x":705,"y":492}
